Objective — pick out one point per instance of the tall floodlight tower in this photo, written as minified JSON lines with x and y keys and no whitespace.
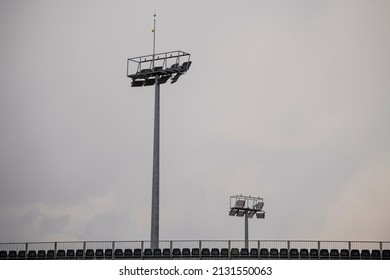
{"x":157,"y":69}
{"x":246,"y":206}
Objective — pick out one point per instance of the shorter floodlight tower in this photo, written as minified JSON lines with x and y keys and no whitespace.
{"x":246,"y":206}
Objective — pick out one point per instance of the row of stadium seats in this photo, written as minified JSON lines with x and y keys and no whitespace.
{"x":196,"y":253}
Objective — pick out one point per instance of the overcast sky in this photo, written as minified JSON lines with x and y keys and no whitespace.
{"x":287,"y":100}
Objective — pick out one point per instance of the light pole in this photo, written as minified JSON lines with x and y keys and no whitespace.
{"x":157,"y":69}
{"x":247,"y":207}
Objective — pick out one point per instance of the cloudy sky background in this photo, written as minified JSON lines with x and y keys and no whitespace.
{"x":288,"y":100}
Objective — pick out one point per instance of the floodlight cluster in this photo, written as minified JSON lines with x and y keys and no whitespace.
{"x":246,"y":206}
{"x":158,"y":68}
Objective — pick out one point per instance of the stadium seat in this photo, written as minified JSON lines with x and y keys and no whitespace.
{"x":344,"y":254}
{"x":264,"y":253}
{"x":61,"y":254}
{"x":176,"y":253}
{"x":334,"y":254}
{"x":324,"y":254}
{"x":70,"y":254}
{"x":215,"y":254}
{"x":3,"y":255}
{"x":186,"y":253}
{"x":375,"y":254}
{"x":157,"y":254}
{"x":224,"y":253}
{"x":304,"y":253}
{"x":283,"y":253}
{"x":166,"y":253}
{"x":32,"y":255}
{"x":294,"y":254}
{"x":41,"y":254}
{"x":79,"y":254}
{"x":254,"y":253}
{"x":89,"y":254}
{"x":365,"y":254}
{"x":108,"y":254}
{"x":273,"y":253}
{"x":50,"y":255}
{"x":244,"y":253}
{"x":355,"y":254}
{"x":205,"y":253}
{"x":314,"y":254}
{"x":148,"y":253}
{"x":12,"y":255}
{"x":127,"y":254}
{"x":21,"y":255}
{"x":234,"y":253}
{"x":118,"y":253}
{"x":99,"y":254}
{"x":195,"y":253}
{"x":386,"y":254}
{"x":137,"y":253}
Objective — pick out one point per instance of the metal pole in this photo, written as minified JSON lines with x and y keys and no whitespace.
{"x":246,"y":232}
{"x":156,"y":171}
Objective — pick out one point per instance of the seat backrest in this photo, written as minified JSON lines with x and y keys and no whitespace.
{"x":294,"y":254}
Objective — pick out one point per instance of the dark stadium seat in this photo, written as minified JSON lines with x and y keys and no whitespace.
{"x":355,"y":254}
{"x":108,"y":254}
{"x":205,"y":253}
{"x":157,"y":253}
{"x":304,"y":253}
{"x":283,"y":253}
{"x":50,"y":255}
{"x":148,"y":253}
{"x":344,"y":254}
{"x":254,"y":253}
{"x":70,"y":254}
{"x":224,"y":253}
{"x":375,"y":254}
{"x":195,"y":253}
{"x":176,"y":253}
{"x":294,"y":254}
{"x":99,"y":254}
{"x":61,"y":254}
{"x":386,"y":254}
{"x":118,"y":253}
{"x":264,"y":253}
{"x":137,"y":253}
{"x":166,"y":253}
{"x":244,"y":253}
{"x":234,"y":253}
{"x":3,"y":255}
{"x":365,"y":254}
{"x":89,"y":254}
{"x":314,"y":254}
{"x":41,"y":254}
{"x":334,"y":254}
{"x":186,"y":253}
{"x":274,"y":253}
{"x":215,"y":254}
{"x":127,"y":254}
{"x":32,"y":255}
{"x":324,"y":254}
{"x":79,"y":254}
{"x":12,"y":255}
{"x":21,"y":255}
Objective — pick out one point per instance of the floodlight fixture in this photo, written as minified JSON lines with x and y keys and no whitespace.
{"x":233,"y":212}
{"x":241,"y":213}
{"x":156,"y":69}
{"x":251,"y":213}
{"x":260,"y":215}
{"x":246,"y":206}
{"x":240,"y":203}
